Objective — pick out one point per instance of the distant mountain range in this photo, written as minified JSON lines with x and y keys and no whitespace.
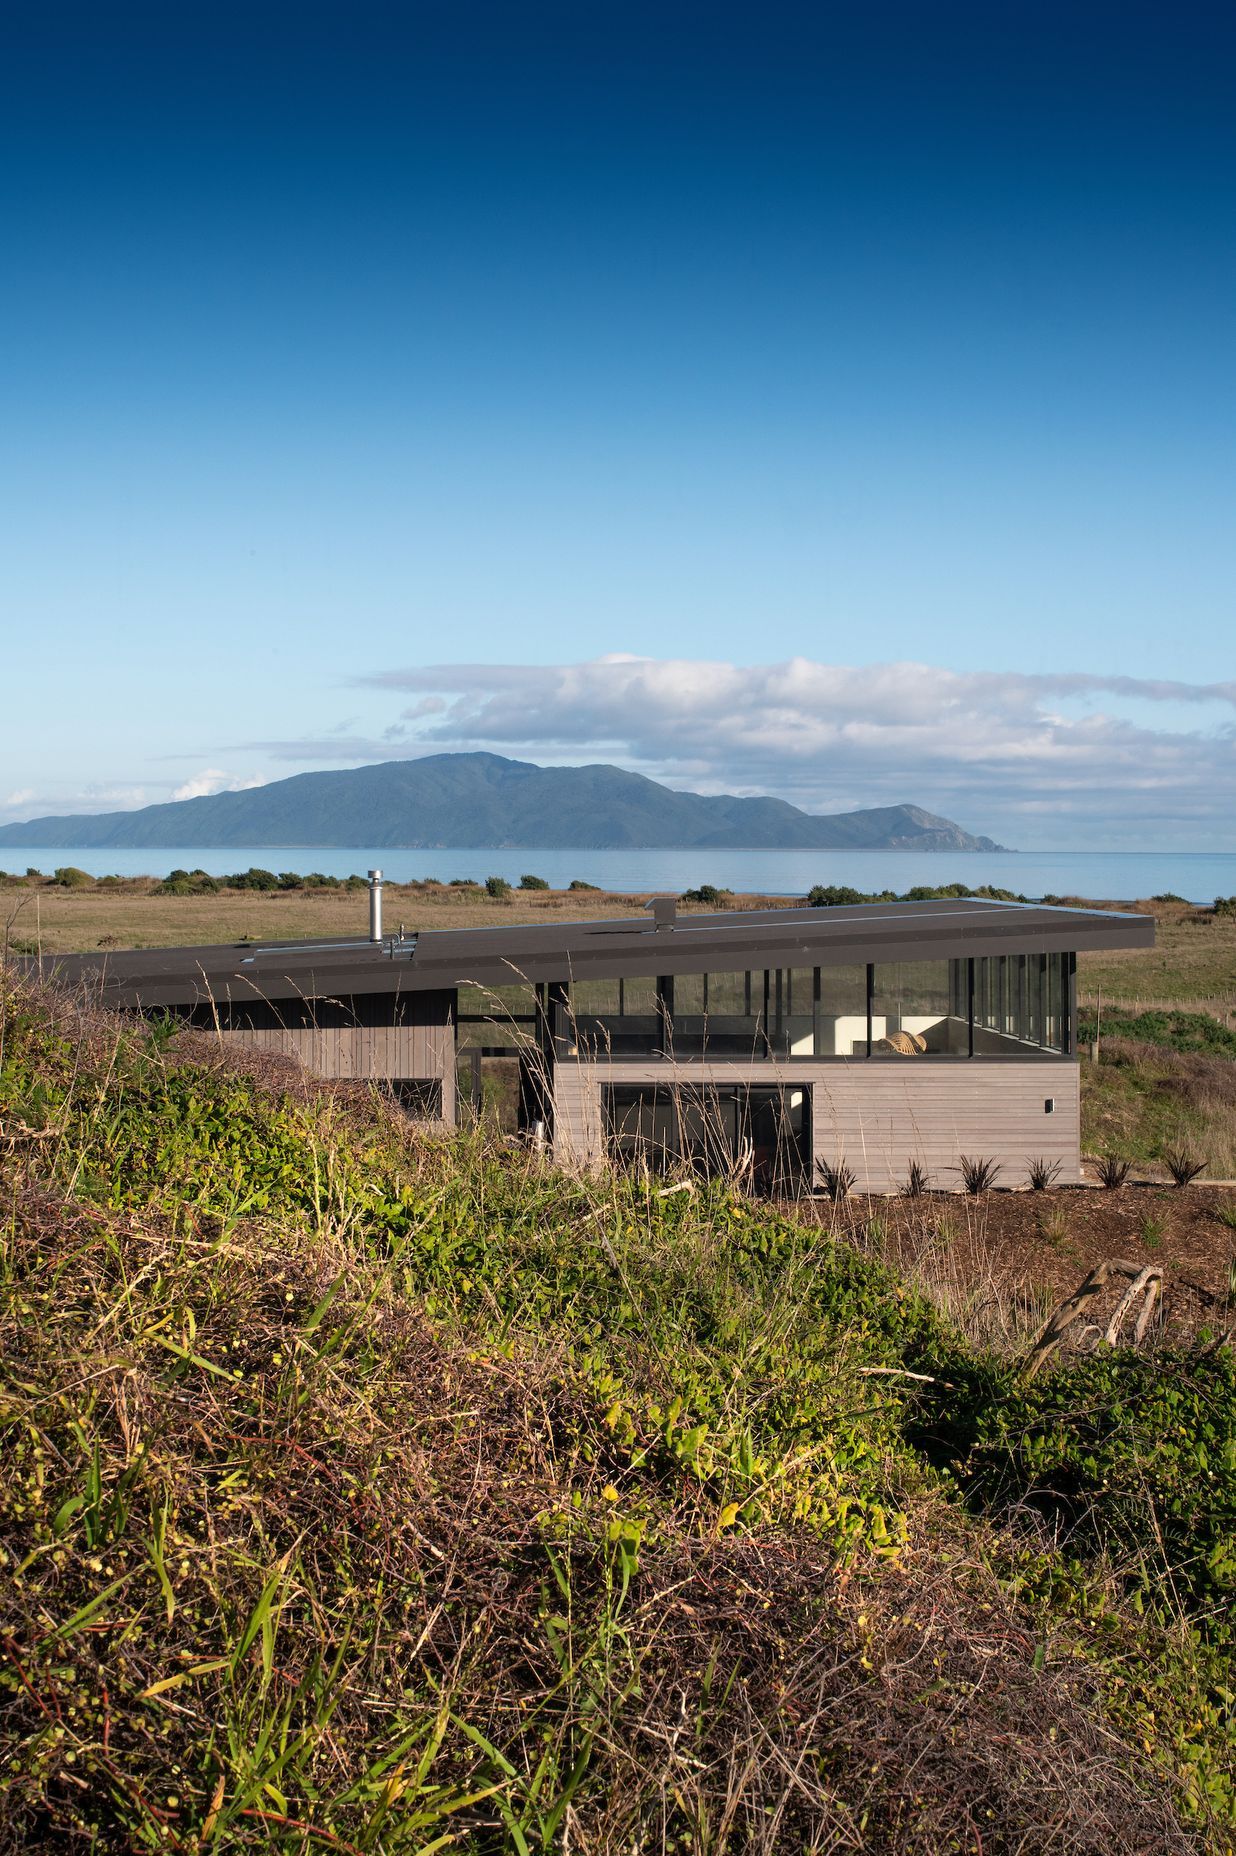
{"x":472,"y":801}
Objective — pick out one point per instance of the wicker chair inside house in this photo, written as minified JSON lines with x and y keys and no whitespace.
{"x":904,"y":1043}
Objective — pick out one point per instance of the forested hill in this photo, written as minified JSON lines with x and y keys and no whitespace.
{"x":474,"y":800}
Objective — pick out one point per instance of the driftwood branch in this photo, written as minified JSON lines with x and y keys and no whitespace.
{"x":1146,"y":1284}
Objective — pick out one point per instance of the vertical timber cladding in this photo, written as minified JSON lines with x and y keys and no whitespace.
{"x":874,"y":1116}
{"x":371,"y":1037}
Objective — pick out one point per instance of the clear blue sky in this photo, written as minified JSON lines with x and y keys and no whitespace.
{"x":342,"y":342}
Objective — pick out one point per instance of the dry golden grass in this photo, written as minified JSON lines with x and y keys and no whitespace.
{"x":74,"y":921}
{"x":1192,"y":965}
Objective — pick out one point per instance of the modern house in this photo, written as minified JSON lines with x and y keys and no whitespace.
{"x":783,"y":1041}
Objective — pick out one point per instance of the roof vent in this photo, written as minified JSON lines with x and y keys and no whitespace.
{"x":664,"y":910}
{"x":375,"y":905}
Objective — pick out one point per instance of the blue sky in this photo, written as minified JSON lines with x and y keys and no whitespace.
{"x":357,"y":362}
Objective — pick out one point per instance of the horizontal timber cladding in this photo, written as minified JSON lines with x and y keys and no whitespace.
{"x":875,"y":1115}
{"x":880,"y":1116}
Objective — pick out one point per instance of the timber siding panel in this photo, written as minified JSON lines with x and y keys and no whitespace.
{"x":878,"y":1120}
{"x":368,"y":1053}
{"x":876,"y":1114}
{"x":579,"y":1131}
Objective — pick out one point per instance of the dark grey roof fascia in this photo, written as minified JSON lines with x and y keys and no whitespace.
{"x":628,"y":947}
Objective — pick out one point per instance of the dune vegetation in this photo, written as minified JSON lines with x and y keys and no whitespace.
{"x":366,"y":1488}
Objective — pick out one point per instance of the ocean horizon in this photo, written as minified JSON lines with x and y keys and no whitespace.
{"x":1199,"y":876}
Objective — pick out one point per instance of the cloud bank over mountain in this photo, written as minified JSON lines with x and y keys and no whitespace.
{"x":1063,"y":757}
{"x":1052,"y":760}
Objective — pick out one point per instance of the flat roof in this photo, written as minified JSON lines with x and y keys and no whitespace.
{"x":626,"y":947}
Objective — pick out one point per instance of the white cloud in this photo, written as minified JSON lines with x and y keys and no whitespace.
{"x":22,"y":796}
{"x":213,"y":780}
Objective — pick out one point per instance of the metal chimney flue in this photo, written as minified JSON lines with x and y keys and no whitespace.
{"x":375,"y":905}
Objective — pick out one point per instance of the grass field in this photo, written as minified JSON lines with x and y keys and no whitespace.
{"x":364,"y":1489}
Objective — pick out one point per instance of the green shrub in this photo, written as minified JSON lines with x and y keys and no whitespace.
{"x":1135,"y":1456}
{"x":253,"y":878}
{"x":578,"y":883}
{"x":833,"y":896}
{"x":1180,"y":1031}
{"x":533,"y":882}
{"x":708,"y":893}
{"x":68,"y":876}
{"x":497,"y":887}
{"x":189,"y":883}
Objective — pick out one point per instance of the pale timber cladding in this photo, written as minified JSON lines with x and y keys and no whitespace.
{"x":874,"y":1117}
{"x":368,"y":1053}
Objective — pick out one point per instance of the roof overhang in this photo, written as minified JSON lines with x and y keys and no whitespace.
{"x":625,"y":947}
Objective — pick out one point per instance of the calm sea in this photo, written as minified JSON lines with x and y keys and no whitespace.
{"x":1198,"y":875}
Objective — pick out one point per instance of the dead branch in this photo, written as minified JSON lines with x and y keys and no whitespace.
{"x":1146,"y":1283}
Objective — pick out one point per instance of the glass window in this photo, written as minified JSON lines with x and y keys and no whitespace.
{"x":1021,"y":1001}
{"x":759,"y":1131}
{"x":718,"y":1013}
{"x":840,"y":1012}
{"x":620,"y":1017}
{"x":912,"y":1010}
{"x":496,"y":1017}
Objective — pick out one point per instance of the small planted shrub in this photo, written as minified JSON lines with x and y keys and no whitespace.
{"x":497,"y":887}
{"x":1226,"y":1214}
{"x":978,"y":1175}
{"x":1113,"y":1170}
{"x":1150,"y":1230}
{"x":875,"y":1232}
{"x":1042,"y":1173}
{"x":1182,"y":1165}
{"x":838,"y":1180}
{"x":533,"y":882}
{"x":1054,"y":1225}
{"x":916,"y":1180}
